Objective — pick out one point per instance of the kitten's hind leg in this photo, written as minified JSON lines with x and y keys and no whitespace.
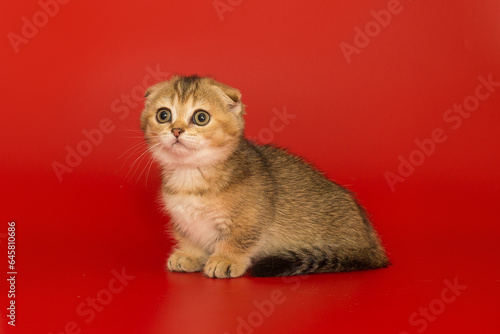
{"x":187,"y":258}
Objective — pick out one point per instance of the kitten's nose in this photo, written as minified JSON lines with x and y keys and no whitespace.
{"x":177,"y":132}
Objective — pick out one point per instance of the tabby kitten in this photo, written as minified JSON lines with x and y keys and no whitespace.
{"x":236,"y":205}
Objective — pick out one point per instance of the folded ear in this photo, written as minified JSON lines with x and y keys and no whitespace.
{"x":232,"y":96}
{"x":150,"y":90}
{"x":158,"y":85}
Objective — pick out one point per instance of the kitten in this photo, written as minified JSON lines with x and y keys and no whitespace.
{"x":235,"y":205}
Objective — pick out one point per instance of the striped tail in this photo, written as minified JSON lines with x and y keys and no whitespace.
{"x":308,"y":261}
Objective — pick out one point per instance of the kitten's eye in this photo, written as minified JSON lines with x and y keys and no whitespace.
{"x":201,"y":117}
{"x":163,"y":115}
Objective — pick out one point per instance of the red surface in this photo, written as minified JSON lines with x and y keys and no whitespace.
{"x":355,"y":120}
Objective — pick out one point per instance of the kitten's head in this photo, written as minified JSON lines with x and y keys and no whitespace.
{"x":192,"y":121}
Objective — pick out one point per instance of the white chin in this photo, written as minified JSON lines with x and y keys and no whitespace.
{"x":179,"y":149}
{"x":179,"y":155}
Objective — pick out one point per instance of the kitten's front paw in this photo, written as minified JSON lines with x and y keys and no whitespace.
{"x":223,"y":267}
{"x":183,"y":263}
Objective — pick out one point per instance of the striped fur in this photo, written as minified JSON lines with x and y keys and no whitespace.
{"x":236,"y":205}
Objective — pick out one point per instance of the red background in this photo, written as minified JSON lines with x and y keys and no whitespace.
{"x":352,"y":119}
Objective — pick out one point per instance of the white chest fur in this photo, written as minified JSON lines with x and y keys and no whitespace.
{"x":197,"y":218}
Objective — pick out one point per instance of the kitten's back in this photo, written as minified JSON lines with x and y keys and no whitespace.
{"x":317,"y":225}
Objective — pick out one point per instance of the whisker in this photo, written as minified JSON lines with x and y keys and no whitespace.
{"x":150,"y":159}
{"x":130,"y":130}
{"x":134,"y":137}
{"x":132,"y":151}
{"x":150,"y":165}
{"x":138,"y":160}
{"x":133,"y":147}
{"x":149,"y":170}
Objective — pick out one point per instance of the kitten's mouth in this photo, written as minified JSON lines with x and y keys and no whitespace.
{"x":177,"y":143}
{"x":178,"y":147}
